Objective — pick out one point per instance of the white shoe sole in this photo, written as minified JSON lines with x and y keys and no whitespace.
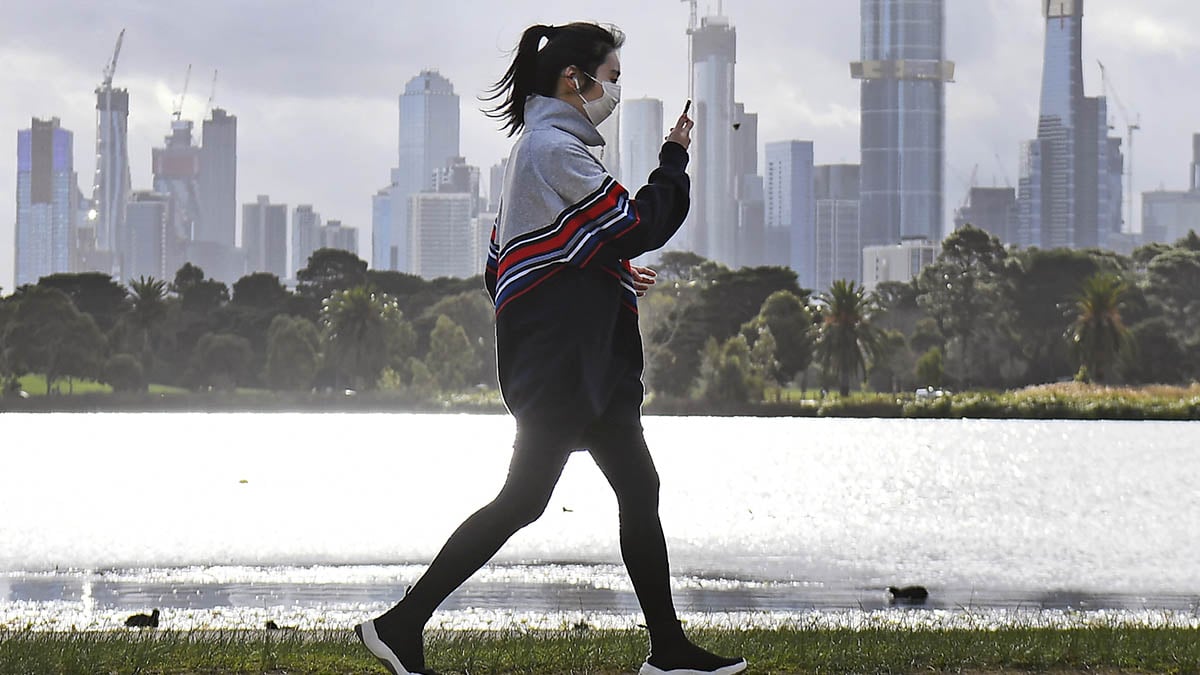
{"x":370,"y":639}
{"x":648,"y":669}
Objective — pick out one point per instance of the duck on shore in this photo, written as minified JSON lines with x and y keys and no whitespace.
{"x":909,"y":595}
{"x":143,"y":620}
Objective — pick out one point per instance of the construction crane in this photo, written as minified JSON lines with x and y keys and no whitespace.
{"x":1003,"y":171}
{"x":208,"y":106}
{"x":187,"y":79}
{"x":1130,"y":127}
{"x":971,"y":185}
{"x":111,"y":68}
{"x":693,"y":20}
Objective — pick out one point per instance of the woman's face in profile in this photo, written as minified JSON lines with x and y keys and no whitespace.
{"x":609,"y":71}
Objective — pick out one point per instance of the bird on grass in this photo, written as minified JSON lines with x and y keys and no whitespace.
{"x":271,"y":625}
{"x":909,"y":595}
{"x":143,"y":620}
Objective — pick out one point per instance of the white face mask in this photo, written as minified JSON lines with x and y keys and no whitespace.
{"x":599,"y":110}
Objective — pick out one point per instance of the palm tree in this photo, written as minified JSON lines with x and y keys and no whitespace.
{"x":358,"y":324}
{"x":1098,"y":335}
{"x":148,"y":297}
{"x":847,"y":338}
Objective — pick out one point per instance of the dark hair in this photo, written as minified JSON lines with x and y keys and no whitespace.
{"x":536,"y":71}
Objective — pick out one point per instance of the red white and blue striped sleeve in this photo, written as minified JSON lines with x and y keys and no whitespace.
{"x":603,"y":225}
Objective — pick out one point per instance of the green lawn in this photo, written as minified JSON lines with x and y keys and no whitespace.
{"x":1097,"y":649}
{"x":35,"y":385}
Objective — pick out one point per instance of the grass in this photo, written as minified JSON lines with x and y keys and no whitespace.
{"x":1125,"y":649}
{"x":1057,"y":401}
{"x":35,"y":385}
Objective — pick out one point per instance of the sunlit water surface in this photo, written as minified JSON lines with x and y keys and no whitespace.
{"x":319,"y":520}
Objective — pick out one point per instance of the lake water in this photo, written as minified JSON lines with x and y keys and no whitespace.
{"x":318,"y":520}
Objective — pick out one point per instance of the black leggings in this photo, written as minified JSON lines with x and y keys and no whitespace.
{"x":539,"y":455}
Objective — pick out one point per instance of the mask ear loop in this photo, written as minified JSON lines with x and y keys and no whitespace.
{"x":579,"y":91}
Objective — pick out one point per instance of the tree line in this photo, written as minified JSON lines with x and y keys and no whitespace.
{"x":981,"y":316}
{"x":343,"y":327}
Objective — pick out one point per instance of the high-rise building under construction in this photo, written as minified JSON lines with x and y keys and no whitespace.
{"x":711,"y":228}
{"x":904,"y":74}
{"x":1070,"y":184}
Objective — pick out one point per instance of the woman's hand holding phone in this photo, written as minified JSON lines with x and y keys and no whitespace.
{"x":681,"y":133}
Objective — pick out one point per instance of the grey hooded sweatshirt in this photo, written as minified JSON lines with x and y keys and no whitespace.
{"x":567,"y":340}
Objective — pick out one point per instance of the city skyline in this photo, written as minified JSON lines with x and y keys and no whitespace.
{"x":293,"y":96}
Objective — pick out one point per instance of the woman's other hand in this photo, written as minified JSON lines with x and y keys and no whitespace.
{"x":643,"y":278}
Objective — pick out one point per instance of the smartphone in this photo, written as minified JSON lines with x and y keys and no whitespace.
{"x":687,"y":106}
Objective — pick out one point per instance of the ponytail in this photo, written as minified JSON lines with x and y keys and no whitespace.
{"x":536,"y":71}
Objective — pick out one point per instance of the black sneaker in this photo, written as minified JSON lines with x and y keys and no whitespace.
{"x":694,"y":661}
{"x":369,"y":636}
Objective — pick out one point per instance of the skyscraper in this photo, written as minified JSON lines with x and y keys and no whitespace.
{"x":750,"y":236}
{"x":1195,"y":183}
{"x":429,"y":128}
{"x":47,"y":195}
{"x":994,"y":210}
{"x":264,"y":236}
{"x":901,"y":262}
{"x":442,"y":235}
{"x":481,"y":237}
{"x":711,"y":228}
{"x":429,"y":137}
{"x":306,"y":236}
{"x":458,"y":176}
{"x":496,"y":184}
{"x":338,"y":236}
{"x":904,"y":74}
{"x":388,"y":252}
{"x":790,"y":238}
{"x":148,"y":218}
{"x":1069,"y":189}
{"x":176,"y":174}
{"x":1167,"y":216}
{"x":110,"y":193}
{"x":838,"y":246}
{"x":218,"y":180}
{"x":641,"y":138}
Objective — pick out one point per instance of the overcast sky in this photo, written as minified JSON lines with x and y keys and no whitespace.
{"x":314,"y":83}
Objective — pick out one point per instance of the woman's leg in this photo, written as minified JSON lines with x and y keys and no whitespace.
{"x":621,"y":453}
{"x":537,"y":462}
{"x":623,"y":457}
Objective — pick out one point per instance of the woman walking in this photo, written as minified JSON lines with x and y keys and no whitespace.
{"x":568,"y":348}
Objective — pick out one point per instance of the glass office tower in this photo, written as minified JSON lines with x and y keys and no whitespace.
{"x":1070,"y":184}
{"x":904,"y":74}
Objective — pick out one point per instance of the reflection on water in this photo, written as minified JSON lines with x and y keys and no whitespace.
{"x":227,"y":520}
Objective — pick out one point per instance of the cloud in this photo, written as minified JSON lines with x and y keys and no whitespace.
{"x":1141,"y":29}
{"x":315,"y":84}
